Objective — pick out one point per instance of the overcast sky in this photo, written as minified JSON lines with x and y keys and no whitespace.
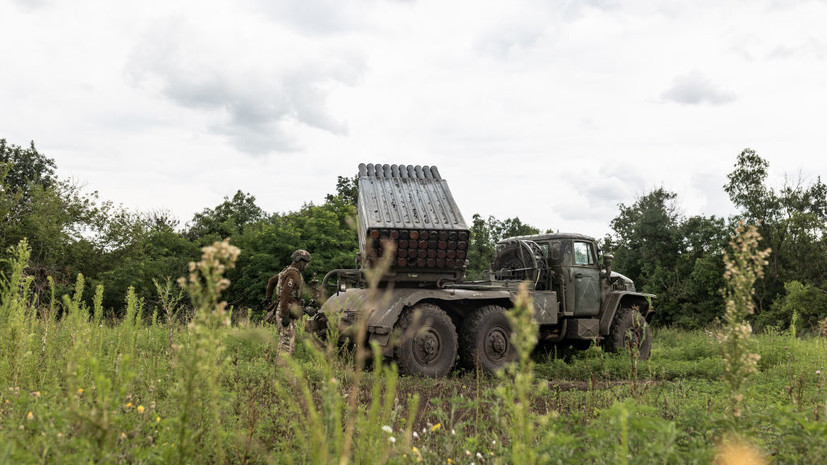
{"x":553,"y":111}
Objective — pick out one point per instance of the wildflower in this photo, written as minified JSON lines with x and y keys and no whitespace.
{"x":453,"y":432}
{"x":30,"y":416}
{"x":415,"y":435}
{"x":493,"y":442}
{"x":467,"y":453}
{"x":436,"y":427}
{"x":36,"y":394}
{"x":479,"y":456}
{"x":739,"y":452}
{"x":449,"y":461}
{"x":818,"y":372}
{"x":128,"y":405}
{"x":415,"y":452}
{"x":123,"y":435}
{"x":80,"y":391}
{"x":387,"y":429}
{"x":140,"y":409}
{"x":424,"y":430}
{"x":392,"y":439}
{"x":157,"y":419}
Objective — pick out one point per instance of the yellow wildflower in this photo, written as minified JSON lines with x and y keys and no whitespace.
{"x":80,"y":390}
{"x":436,"y":427}
{"x":128,"y":405}
{"x":140,"y":409}
{"x":157,"y":419}
{"x":30,"y":416}
{"x":734,"y":453}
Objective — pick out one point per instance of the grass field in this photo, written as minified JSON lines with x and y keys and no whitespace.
{"x":78,"y":389}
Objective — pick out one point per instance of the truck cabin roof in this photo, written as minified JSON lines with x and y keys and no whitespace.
{"x":547,"y":237}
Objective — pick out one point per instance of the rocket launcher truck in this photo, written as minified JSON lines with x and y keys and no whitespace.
{"x":427,"y":317}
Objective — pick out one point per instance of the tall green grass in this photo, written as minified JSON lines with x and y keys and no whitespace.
{"x":78,"y":388}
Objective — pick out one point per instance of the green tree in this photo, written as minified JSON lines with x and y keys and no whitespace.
{"x":227,"y":219}
{"x":56,"y":217}
{"x":679,"y":259}
{"x":792,"y":222}
{"x":25,"y":169}
{"x":807,"y":302}
{"x":347,"y":189}
{"x":149,"y":249}
{"x":647,"y":238}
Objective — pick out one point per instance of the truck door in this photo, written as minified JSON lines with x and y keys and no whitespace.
{"x":585,"y":274}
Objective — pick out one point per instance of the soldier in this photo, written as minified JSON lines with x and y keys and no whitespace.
{"x":288,"y":305}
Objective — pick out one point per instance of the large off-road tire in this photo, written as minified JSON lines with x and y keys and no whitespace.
{"x":623,"y":326}
{"x":428,"y":341}
{"x":486,"y":339}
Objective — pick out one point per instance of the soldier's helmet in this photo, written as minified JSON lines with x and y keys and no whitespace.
{"x":301,"y":255}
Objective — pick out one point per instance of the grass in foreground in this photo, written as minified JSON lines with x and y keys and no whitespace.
{"x":76,"y":389}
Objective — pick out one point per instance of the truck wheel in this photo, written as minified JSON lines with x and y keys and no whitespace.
{"x":428,"y":342}
{"x":629,"y":322}
{"x":486,"y":339}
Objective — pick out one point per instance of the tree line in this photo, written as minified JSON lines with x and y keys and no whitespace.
{"x":679,"y":258}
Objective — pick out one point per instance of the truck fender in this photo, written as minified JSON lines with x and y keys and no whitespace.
{"x":616,"y":300}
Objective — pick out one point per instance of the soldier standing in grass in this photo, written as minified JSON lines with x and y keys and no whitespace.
{"x":288,"y":305}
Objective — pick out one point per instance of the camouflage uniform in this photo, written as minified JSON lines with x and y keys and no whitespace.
{"x":287,"y":308}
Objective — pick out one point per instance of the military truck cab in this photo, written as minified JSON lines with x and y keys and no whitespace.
{"x":573,"y":277}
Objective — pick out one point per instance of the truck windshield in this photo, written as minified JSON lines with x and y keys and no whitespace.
{"x":583,"y":254}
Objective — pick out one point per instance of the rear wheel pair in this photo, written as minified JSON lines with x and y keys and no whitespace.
{"x":429,"y":342}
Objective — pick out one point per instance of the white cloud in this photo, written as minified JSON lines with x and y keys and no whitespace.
{"x":254,"y":84}
{"x":694,"y":88}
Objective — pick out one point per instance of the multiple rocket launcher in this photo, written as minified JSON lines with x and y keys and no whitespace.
{"x":419,"y":248}
{"x":410,"y":210}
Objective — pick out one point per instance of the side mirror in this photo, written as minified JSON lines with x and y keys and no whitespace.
{"x":607,"y":264}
